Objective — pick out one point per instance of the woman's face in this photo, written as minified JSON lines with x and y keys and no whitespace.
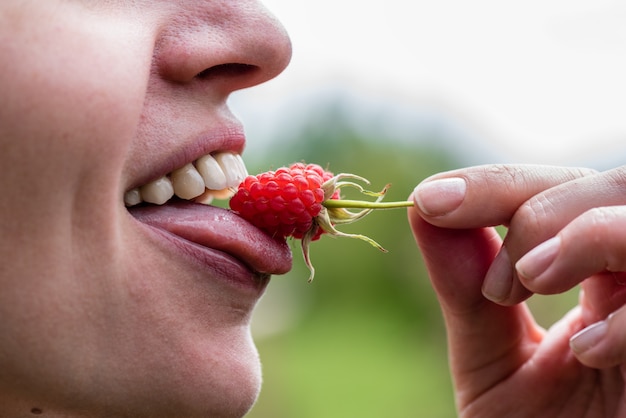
{"x":141,"y":309}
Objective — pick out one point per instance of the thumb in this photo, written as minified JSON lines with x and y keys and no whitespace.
{"x":485,"y":339}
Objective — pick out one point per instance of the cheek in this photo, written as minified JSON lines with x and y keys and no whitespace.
{"x":72,"y":92}
{"x":70,"y":109}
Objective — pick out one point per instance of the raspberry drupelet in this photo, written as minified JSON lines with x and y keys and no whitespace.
{"x":303,"y":201}
{"x":284,"y":202}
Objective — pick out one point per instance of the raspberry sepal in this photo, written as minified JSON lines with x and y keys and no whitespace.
{"x":335,"y":212}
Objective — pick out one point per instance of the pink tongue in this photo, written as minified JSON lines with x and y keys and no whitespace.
{"x":222,"y":230}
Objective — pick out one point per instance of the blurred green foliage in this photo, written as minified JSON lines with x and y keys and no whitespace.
{"x":365,"y":338}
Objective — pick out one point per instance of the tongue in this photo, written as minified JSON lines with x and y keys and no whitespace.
{"x":222,"y":230}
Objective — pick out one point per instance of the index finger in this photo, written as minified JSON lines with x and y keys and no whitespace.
{"x":486,"y":195}
{"x":491,"y":195}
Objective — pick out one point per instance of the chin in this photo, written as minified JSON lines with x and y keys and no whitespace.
{"x":231,"y":383}
{"x":199,"y":380}
{"x":245,"y":389}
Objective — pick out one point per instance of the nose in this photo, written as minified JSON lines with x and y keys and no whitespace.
{"x":227,"y":44}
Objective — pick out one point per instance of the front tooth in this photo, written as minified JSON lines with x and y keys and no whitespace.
{"x":233,"y":167}
{"x":158,"y":191}
{"x":211,"y":172}
{"x":243,"y":171}
{"x":187,"y":182}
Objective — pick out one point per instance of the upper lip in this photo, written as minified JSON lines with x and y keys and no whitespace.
{"x":230,"y":138}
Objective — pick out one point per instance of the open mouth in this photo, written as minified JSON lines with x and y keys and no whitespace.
{"x":179,"y":204}
{"x":210,"y":176}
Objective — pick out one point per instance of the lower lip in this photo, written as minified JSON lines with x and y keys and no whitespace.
{"x":218,"y":264}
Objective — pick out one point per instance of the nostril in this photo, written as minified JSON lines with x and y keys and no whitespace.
{"x":232,"y":70}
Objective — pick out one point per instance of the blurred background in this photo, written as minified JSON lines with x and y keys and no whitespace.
{"x":396,"y":93}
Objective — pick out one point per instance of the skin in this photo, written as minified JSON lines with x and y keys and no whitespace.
{"x":502,"y":362}
{"x":97,"y":318}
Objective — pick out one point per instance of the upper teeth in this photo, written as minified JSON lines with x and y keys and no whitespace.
{"x":208,"y":177}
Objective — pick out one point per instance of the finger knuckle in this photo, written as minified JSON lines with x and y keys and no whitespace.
{"x":617,"y":178}
{"x":504,"y":174}
{"x":533,"y":214}
{"x":597,"y":221}
{"x":601,"y":225}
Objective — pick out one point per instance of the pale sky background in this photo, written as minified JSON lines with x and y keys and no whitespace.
{"x":538,"y":81}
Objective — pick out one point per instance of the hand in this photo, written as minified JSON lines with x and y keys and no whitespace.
{"x":504,"y":364}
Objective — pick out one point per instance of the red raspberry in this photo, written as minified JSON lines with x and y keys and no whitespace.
{"x":285,"y":202}
{"x":302,"y":201}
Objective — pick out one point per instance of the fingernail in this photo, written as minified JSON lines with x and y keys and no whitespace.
{"x":499,"y":278}
{"x":588,"y":337}
{"x":537,"y":260}
{"x":439,"y":197}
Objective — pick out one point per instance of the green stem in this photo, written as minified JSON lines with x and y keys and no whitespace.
{"x":360,"y":204}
